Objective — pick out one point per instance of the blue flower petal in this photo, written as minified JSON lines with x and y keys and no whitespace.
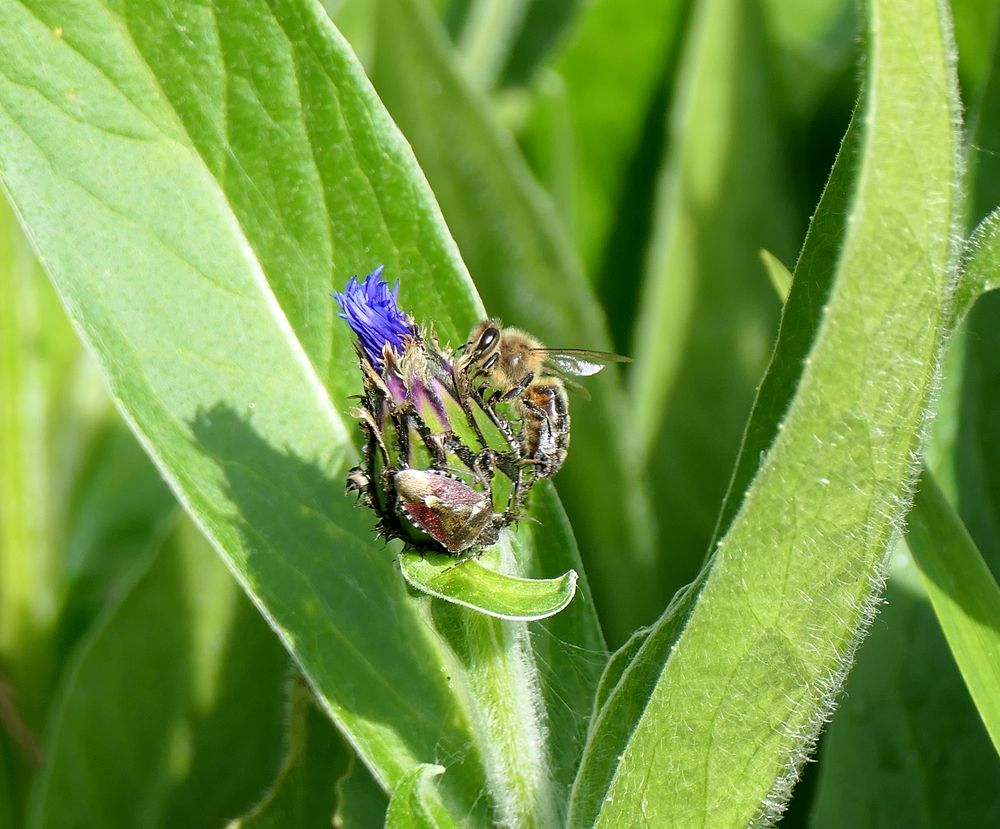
{"x":371,"y":310}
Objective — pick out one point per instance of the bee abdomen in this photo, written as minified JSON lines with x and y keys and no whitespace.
{"x":545,"y":433}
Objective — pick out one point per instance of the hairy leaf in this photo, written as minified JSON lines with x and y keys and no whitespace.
{"x":197,"y":180}
{"x":738,"y":695}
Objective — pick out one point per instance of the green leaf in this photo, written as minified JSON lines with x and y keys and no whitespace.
{"x":362,"y":803}
{"x":471,"y":584}
{"x":622,"y":697}
{"x":778,"y":273}
{"x":612,"y":63}
{"x":983,"y":169}
{"x":617,"y":665}
{"x":510,"y":665}
{"x":802,"y":313}
{"x":197,"y":181}
{"x":407,"y":807}
{"x":568,"y":649}
{"x":906,"y":747}
{"x":182,"y":684}
{"x":489,"y":31}
{"x":304,"y":794}
{"x":961,"y":587}
{"x":514,"y":244}
{"x":705,"y":320}
{"x":982,"y":267}
{"x":965,"y":596}
{"x":812,"y":46}
{"x":792,"y":582}
{"x":38,"y":357}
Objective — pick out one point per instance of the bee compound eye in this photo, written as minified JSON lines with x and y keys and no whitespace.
{"x":490,"y":336}
{"x":492,"y":361}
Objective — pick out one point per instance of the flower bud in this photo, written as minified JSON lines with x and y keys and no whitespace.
{"x":440,"y":471}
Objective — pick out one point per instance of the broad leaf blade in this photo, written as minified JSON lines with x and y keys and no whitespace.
{"x":905,"y":747}
{"x":705,"y":320}
{"x":964,"y":594}
{"x":770,"y":627}
{"x":197,"y":181}
{"x":304,"y":794}
{"x":878,"y":721}
{"x":182,"y":685}
{"x":163,"y":233}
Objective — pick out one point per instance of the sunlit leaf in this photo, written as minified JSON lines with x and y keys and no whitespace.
{"x":740,"y":692}
{"x":407,"y":807}
{"x":197,"y":181}
{"x":470,"y":584}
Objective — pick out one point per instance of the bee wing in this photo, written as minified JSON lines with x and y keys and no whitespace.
{"x":576,"y":388}
{"x":579,"y":362}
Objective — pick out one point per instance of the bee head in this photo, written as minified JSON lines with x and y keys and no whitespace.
{"x":484,"y":344}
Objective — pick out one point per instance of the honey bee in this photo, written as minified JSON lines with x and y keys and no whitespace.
{"x":533,"y":378}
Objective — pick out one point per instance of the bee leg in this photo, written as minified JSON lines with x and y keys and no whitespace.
{"x":510,"y":394}
{"x":453,"y":443}
{"x":484,"y":465}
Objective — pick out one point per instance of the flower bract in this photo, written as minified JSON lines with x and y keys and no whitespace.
{"x":441,"y":468}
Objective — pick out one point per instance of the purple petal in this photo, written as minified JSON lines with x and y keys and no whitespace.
{"x":370,"y":309}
